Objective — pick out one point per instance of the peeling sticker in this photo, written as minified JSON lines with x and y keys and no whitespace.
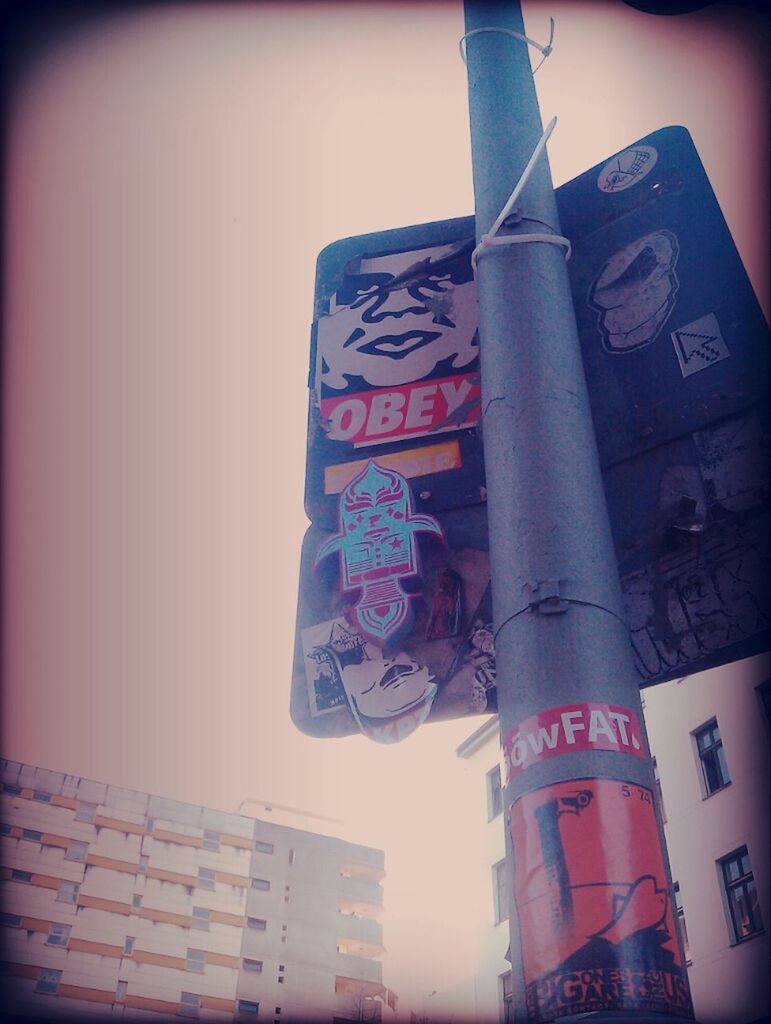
{"x":699,"y":344}
{"x":627,"y":169}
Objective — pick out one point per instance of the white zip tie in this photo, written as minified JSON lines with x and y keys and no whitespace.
{"x":492,"y":238}
{"x":545,"y":50}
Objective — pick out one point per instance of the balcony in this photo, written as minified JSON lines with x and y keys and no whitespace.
{"x":357,"y":927}
{"x":368,"y":872}
{"x":364,"y":889}
{"x":358,"y":969}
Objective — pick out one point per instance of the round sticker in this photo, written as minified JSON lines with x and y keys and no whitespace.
{"x":627,"y":169}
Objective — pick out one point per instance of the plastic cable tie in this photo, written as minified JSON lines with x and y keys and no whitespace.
{"x":545,"y":50}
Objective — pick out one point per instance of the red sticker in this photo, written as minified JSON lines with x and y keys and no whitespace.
{"x":572,"y":727}
{"x":596,"y":923}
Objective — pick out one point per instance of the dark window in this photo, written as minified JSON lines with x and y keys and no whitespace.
{"x":58,"y":935}
{"x":15,"y":790}
{"x":149,"y":825}
{"x":261,"y":847}
{"x":261,"y":883}
{"x":681,"y":921}
{"x":31,"y":833}
{"x":500,"y":892}
{"x":21,"y":876}
{"x":85,"y":812}
{"x":205,"y":878}
{"x":120,"y":991}
{"x":76,"y":851}
{"x":291,"y":856}
{"x":48,"y":981}
{"x":258,"y":923}
{"x":12,"y":919}
{"x":494,"y":793}
{"x":252,"y":965}
{"x":714,"y":770}
{"x":195,"y":961}
{"x":144,"y":860}
{"x":741,"y":895}
{"x":211,"y":840}
{"x":5,"y":828}
{"x":38,"y":794}
{"x":189,"y":1002}
{"x":68,"y":892}
{"x":507,"y":997}
{"x":136,"y":901}
{"x":248,"y":1008}
{"x":128,"y":945}
{"x":201,"y":917}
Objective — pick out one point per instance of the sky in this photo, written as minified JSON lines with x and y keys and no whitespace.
{"x":172,"y":172}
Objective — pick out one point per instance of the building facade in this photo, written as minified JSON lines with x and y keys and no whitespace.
{"x":710,"y":736}
{"x":119,"y":904}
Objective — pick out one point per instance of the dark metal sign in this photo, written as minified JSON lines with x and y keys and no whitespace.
{"x":675,"y":350}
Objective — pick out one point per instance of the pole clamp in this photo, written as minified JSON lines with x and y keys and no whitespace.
{"x":547,"y":596}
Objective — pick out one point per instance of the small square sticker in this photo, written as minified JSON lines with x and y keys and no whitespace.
{"x":699,"y":344}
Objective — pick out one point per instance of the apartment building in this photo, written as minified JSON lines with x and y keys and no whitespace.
{"x":710,"y":736}
{"x":119,"y":904}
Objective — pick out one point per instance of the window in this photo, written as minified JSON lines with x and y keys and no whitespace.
{"x":68,"y":892}
{"x":11,"y":919}
{"x":258,"y":923}
{"x":211,"y":840}
{"x":278,"y":1010}
{"x":494,"y":793}
{"x":253,"y":965}
{"x":38,"y":794}
{"x":200,"y":919}
{"x":507,"y":997}
{"x":292,"y":856}
{"x":681,"y":922}
{"x":15,"y":790}
{"x":85,"y":812}
{"x":195,"y":961}
{"x":189,"y":1003}
{"x":144,"y":860}
{"x":128,"y":945}
{"x":247,"y":1009}
{"x":48,"y":981}
{"x":500,"y":892}
{"x":261,"y":883}
{"x":21,"y":876}
{"x":76,"y":851}
{"x":120,"y":991}
{"x":261,"y":847}
{"x":136,"y":901}
{"x":149,"y":825}
{"x":741,"y":895}
{"x":5,"y":828}
{"x":58,"y":935}
{"x":31,"y":833}
{"x":709,"y":746}
{"x":205,"y":878}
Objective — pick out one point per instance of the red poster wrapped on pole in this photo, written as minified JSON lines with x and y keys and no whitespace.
{"x":596,"y":924}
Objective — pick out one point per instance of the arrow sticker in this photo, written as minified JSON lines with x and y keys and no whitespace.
{"x":699,"y":344}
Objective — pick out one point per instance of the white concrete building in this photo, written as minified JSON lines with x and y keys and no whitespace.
{"x":118,"y":904}
{"x":710,"y":735}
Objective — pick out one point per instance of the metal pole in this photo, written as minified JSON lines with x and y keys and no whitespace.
{"x":591,"y":913}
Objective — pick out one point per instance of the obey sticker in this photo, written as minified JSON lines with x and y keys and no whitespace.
{"x":571,"y":727}
{"x":595,"y":916}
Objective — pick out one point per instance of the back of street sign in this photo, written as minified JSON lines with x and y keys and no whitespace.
{"x":675,"y":350}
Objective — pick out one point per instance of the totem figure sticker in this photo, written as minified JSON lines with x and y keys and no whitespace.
{"x":389,"y":696}
{"x":627,"y":169}
{"x":596,"y":921}
{"x":634,"y":292}
{"x":377,"y":548}
{"x":397,"y":354}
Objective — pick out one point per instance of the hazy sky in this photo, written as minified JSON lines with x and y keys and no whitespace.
{"x":173,"y":172}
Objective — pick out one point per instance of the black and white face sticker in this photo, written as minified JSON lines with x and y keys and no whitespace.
{"x":627,"y":169}
{"x":634,"y":292}
{"x":699,"y":344}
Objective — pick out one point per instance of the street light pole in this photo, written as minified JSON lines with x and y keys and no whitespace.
{"x":592,"y":927}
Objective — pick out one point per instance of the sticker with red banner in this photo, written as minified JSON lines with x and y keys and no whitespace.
{"x":571,"y":727}
{"x":596,"y":921}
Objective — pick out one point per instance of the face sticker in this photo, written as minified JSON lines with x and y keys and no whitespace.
{"x":389,"y":696}
{"x":398,"y":318}
{"x":377,"y":548}
{"x":627,"y":169}
{"x":634,"y":293}
{"x":596,"y":923}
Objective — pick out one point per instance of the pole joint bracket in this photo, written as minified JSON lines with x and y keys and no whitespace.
{"x":547,"y":597}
